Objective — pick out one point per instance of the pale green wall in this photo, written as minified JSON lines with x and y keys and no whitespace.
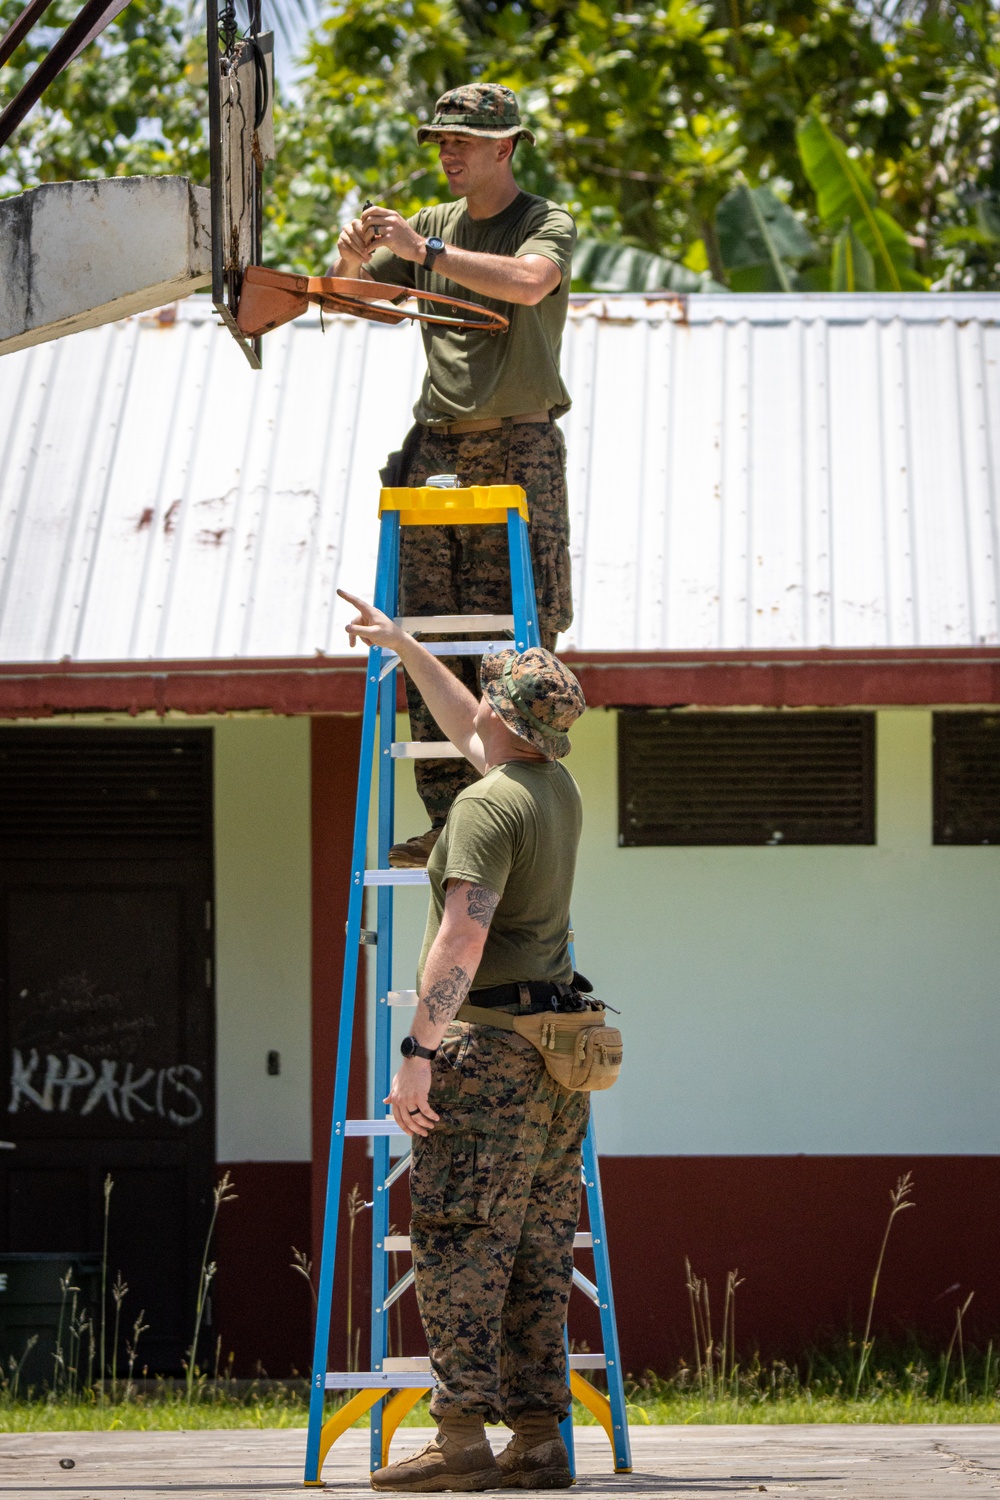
{"x":786,"y":999}
{"x":262,"y":882}
{"x":775,"y":1000}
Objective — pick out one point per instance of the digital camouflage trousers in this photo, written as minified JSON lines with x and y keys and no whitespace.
{"x":464,"y":570}
{"x":495,"y":1190}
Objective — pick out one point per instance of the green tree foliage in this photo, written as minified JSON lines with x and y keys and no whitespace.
{"x":852,"y":268}
{"x":845,"y":196}
{"x":756,"y":144}
{"x":687,"y":131}
{"x":761,"y":241}
{"x":607,"y":267}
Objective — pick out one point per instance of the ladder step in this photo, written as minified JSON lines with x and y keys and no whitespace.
{"x":394,"y":1243}
{"x":396,"y":877}
{"x":425,"y":750}
{"x":419,"y":1364}
{"x":362,"y":1380}
{"x":402,"y":1374}
{"x":448,"y":648}
{"x":446,"y":624}
{"x":385,"y":1126}
{"x":402,"y":997}
{"x":458,"y":648}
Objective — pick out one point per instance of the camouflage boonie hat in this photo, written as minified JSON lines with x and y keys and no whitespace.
{"x":477,"y":109}
{"x":535,"y":695}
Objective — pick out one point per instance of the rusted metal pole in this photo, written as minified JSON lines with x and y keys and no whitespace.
{"x":215,"y":147}
{"x":32,"y":12}
{"x":90,"y":20}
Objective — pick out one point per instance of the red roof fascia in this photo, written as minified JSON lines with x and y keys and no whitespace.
{"x":281,"y":686}
{"x":790,"y":679}
{"x":318,"y":685}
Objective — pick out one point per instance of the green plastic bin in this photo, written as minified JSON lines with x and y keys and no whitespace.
{"x":31,"y":1300}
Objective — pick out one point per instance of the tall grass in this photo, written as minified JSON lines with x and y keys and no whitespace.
{"x":900,"y":1200}
{"x":356,"y":1206}
{"x":907,"y":1384}
{"x":108,"y":1185}
{"x":841,"y":1383}
{"x":222,"y":1193}
{"x":910,"y":1383}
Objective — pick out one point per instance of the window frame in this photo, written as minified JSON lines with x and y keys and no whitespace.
{"x":943,"y":721}
{"x":736,"y":836}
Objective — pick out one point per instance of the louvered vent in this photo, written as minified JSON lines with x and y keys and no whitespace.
{"x":967,"y":778}
{"x":745,"y":778}
{"x":102,"y":784}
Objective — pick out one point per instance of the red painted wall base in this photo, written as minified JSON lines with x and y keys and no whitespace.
{"x":803,"y":1232}
{"x":262,"y":1309}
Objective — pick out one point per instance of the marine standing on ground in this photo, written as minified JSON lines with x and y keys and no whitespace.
{"x":488,"y":404}
{"x":495,"y":1177}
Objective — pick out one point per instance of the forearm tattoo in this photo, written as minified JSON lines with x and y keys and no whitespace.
{"x":482,"y":903}
{"x":446,"y":995}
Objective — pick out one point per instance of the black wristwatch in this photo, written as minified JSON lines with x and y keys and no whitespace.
{"x":432,"y":249}
{"x":410,"y":1047}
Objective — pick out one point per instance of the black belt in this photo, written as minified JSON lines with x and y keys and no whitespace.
{"x":545,"y":994}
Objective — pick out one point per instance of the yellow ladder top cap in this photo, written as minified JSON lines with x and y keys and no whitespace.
{"x":479,"y":505}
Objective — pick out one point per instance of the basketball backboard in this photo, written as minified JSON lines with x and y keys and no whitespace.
{"x":241,"y":139}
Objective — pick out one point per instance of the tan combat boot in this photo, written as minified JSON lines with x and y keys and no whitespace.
{"x":536,"y":1457}
{"x":414,"y":854}
{"x":459,"y":1457}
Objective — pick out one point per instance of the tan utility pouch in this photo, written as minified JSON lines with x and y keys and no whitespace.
{"x":579,"y":1051}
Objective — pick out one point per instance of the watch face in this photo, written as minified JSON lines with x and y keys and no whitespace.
{"x":435,"y":244}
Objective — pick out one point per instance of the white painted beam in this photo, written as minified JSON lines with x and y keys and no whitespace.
{"x":74,"y":255}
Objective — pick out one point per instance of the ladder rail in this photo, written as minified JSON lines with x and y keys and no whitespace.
{"x":522,"y":584}
{"x":620,"y":1441}
{"x":380,"y":1299}
{"x":526,"y":635}
{"x":387,"y":551}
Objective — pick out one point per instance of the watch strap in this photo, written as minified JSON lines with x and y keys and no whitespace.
{"x":410,"y":1047}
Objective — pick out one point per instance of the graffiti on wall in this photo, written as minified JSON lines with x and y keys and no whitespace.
{"x":74,"y":1085}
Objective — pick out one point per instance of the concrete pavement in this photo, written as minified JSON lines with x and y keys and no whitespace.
{"x":675,"y":1463}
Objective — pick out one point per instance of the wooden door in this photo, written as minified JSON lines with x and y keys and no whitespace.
{"x":106,"y":1008}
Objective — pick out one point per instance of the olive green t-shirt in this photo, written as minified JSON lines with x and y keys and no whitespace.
{"x":472,"y":374}
{"x":516,"y":831}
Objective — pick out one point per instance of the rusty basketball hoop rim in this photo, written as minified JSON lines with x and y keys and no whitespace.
{"x":270,"y":298}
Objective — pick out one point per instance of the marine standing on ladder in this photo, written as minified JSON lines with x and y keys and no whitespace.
{"x":495,"y":1179}
{"x":488,"y":405}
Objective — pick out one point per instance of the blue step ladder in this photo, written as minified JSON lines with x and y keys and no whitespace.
{"x":392,"y":1386}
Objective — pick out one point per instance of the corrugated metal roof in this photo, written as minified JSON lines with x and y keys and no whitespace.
{"x":745,"y":472}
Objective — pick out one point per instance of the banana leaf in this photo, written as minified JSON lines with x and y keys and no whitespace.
{"x":844,"y":191}
{"x":988,"y":216}
{"x":601,"y":267}
{"x":760,"y":240}
{"x":852,"y":268}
